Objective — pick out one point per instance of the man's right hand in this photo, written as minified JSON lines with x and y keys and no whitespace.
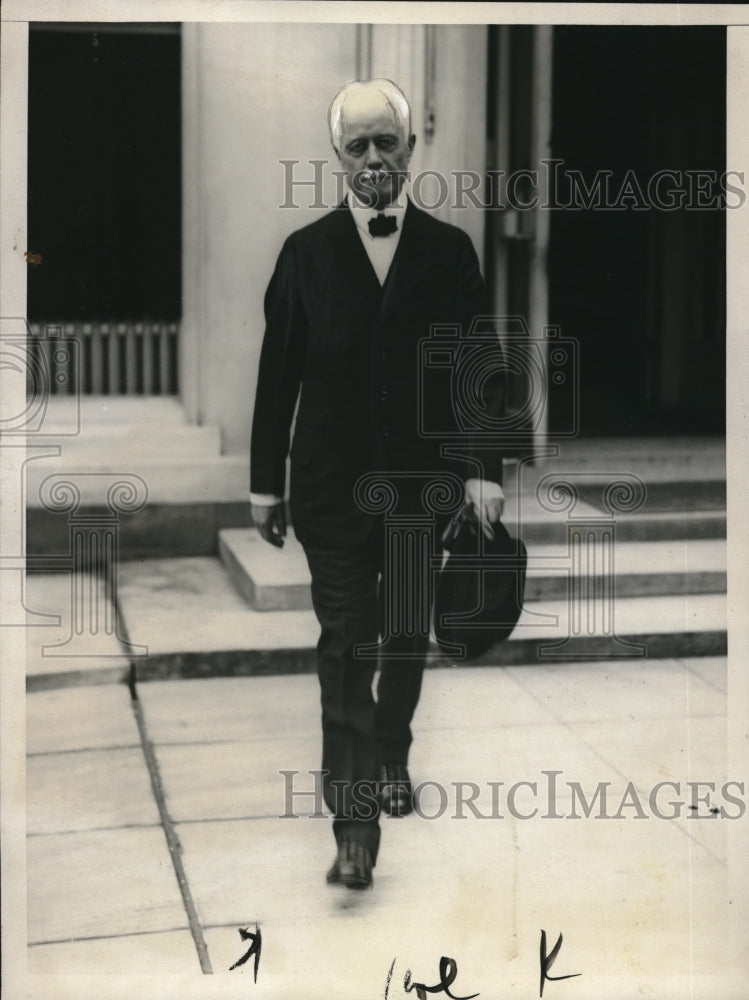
{"x":270,"y":521}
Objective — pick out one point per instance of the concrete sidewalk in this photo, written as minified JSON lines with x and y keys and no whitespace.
{"x":154,"y":835}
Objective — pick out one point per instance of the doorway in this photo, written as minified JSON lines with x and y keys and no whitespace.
{"x":640,"y":284}
{"x":105,"y":200}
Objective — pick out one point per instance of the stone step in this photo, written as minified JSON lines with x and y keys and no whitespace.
{"x":195,"y":624}
{"x":650,"y":458}
{"x":193,"y":490}
{"x":639,"y":527}
{"x":181,"y":482}
{"x":164,"y":444}
{"x":269,"y":579}
{"x":189,"y":503}
{"x":665,"y":511}
{"x":669,"y":494}
{"x":101,"y":436}
{"x":183,"y":618}
{"x":540,"y":503}
{"x":95,"y":429}
{"x":272,"y":579}
{"x":58,"y":655}
{"x":161,"y":530}
{"x":99,"y":414}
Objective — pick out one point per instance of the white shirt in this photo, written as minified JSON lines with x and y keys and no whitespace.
{"x":380,"y":249}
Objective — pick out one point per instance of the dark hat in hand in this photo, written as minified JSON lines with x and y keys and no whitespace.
{"x":479,"y":593}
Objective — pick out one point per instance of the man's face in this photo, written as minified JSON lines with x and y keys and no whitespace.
{"x":374,"y":151}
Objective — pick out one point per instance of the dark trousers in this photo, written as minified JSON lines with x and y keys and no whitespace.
{"x":355,"y":604}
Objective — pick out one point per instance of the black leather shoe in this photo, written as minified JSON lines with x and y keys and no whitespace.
{"x":396,"y":790}
{"x":352,"y":867}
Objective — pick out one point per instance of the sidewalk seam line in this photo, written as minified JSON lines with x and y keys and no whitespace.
{"x":56,"y":753}
{"x":92,"y":829}
{"x":172,"y":839}
{"x":106,"y":937}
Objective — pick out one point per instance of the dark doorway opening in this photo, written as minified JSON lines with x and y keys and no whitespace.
{"x":642,"y":287}
{"x":104,"y":201}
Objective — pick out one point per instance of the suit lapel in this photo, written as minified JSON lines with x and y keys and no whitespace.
{"x":411,"y":259}
{"x":350,"y":256}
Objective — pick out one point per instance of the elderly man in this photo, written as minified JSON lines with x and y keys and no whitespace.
{"x":352,"y":297}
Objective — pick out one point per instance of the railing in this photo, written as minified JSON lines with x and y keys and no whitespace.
{"x":109,"y":358}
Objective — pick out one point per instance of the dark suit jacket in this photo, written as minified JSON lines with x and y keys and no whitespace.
{"x":368,"y":401}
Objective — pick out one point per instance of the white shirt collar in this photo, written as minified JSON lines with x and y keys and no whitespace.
{"x":362,"y":213}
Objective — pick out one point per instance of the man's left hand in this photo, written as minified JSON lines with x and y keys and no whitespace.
{"x":487,"y":500}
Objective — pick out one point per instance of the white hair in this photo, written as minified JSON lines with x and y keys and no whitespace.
{"x":393,"y":95}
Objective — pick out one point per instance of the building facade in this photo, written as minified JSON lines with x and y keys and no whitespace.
{"x":586,"y":163}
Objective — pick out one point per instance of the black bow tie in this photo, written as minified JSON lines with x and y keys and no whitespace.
{"x":383,"y":225}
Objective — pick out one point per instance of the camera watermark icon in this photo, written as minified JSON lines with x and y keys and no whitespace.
{"x":471,"y":369}
{"x":51,"y":364}
{"x":476,"y":367}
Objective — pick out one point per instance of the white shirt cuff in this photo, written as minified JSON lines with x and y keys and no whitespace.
{"x":264,"y":499}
